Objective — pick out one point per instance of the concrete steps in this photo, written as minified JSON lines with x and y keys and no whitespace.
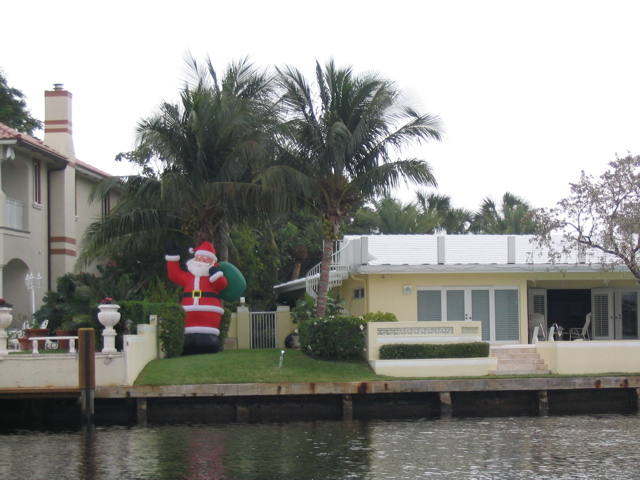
{"x":518,"y":360}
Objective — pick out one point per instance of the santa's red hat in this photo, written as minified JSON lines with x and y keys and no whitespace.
{"x":206,"y":249}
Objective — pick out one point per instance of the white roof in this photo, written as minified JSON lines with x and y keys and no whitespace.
{"x":456,"y":250}
{"x":370,"y":254}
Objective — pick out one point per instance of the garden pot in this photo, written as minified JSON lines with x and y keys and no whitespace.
{"x":37,"y":332}
{"x":64,"y":344}
{"x":25,"y":344}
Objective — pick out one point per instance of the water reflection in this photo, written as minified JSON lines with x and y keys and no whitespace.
{"x":577,"y":447}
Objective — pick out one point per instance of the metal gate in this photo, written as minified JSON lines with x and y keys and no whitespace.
{"x":263,"y":330}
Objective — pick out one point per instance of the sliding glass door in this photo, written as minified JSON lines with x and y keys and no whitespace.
{"x":495,"y":307}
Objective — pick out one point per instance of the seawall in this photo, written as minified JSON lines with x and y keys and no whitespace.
{"x":247,"y":403}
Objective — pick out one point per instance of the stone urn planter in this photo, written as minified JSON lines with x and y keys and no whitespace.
{"x":5,"y":320}
{"x":109,"y":316}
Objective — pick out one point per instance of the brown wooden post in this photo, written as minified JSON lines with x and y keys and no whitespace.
{"x":87,"y":372}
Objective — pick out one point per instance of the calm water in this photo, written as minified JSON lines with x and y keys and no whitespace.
{"x":576,"y":447}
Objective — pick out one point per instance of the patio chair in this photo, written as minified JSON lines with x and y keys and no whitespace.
{"x":13,"y":343}
{"x":536,"y":321}
{"x":581,"y":333}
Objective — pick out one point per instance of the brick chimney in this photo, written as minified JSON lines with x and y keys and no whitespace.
{"x":58,"y":126}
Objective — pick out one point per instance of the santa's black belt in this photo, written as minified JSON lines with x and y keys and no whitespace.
{"x":200,"y":294}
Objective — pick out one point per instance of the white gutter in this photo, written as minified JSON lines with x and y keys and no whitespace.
{"x":477,"y":268}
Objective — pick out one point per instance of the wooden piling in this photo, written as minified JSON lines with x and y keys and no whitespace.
{"x":347,"y":407}
{"x":543,"y":403}
{"x":87,"y":372}
{"x":141,"y":411}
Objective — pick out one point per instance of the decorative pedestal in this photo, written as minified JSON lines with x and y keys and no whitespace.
{"x":109,"y":316}
{"x":5,"y":320}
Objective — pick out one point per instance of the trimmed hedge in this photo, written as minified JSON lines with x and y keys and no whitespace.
{"x":380,"y":317}
{"x":171,"y":322}
{"x":332,"y":338}
{"x":434,"y":350}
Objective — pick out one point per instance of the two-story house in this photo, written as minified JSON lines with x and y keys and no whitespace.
{"x":44,"y":207}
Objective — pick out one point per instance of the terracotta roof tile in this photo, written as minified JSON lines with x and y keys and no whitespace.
{"x":93,"y":169}
{"x":8,"y":133}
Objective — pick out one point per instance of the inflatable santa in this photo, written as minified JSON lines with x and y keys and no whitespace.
{"x":202,"y":283}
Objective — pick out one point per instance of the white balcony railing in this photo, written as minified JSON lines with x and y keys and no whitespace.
{"x":14,"y":214}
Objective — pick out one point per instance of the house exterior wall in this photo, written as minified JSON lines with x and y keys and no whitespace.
{"x":87,"y":212}
{"x":386,"y":292}
{"x":41,"y":234}
{"x":25,"y":249}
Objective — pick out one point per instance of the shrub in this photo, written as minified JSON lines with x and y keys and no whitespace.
{"x":225,"y":323}
{"x":333,"y":338}
{"x":171,"y":320}
{"x":434,"y":350}
{"x":379,"y":317}
{"x":305,"y":308}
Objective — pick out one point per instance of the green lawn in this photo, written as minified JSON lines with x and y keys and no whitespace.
{"x":253,"y":366}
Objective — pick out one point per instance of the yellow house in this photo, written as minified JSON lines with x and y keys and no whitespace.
{"x":500,"y":281}
{"x":44,"y":207}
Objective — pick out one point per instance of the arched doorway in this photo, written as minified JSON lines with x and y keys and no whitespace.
{"x":15,"y":291}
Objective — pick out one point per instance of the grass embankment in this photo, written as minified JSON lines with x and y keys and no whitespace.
{"x":253,"y":366}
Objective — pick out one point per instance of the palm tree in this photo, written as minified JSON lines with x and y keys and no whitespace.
{"x":340,"y":141}
{"x":390,"y":216}
{"x":513,"y":216}
{"x":198,"y":156}
{"x":446,"y":218}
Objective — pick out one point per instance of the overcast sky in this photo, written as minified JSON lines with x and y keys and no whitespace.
{"x":530,"y":93}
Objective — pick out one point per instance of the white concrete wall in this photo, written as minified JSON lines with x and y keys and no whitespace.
{"x":54,"y":370}
{"x":591,"y":357}
{"x":435,"y":367}
{"x":139,"y":350}
{"x":381,"y":333}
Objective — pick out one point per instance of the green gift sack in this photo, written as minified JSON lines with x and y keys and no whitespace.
{"x":236,"y":282}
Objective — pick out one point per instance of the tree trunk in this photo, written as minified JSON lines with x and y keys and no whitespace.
{"x":295,"y":274}
{"x":325,"y":270}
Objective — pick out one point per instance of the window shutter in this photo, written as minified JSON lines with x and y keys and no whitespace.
{"x":429,"y":306}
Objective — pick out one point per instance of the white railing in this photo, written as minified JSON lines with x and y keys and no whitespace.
{"x":14,"y":213}
{"x":338,"y":272}
{"x":53,"y":342}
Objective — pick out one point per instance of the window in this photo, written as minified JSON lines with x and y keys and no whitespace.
{"x":14,"y":213}
{"x":495,"y":307}
{"x":37,"y":183}
{"x":358,"y":293}
{"x":106,"y":205}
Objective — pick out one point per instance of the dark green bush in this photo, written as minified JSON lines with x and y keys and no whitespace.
{"x":434,"y":350}
{"x":379,"y":317}
{"x":171,"y":321}
{"x":332,"y":338}
{"x":225,"y":323}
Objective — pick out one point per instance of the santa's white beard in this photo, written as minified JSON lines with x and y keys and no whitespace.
{"x":199,"y":269}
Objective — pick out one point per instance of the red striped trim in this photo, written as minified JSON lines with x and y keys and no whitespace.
{"x":63,"y":251}
{"x":62,"y":240}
